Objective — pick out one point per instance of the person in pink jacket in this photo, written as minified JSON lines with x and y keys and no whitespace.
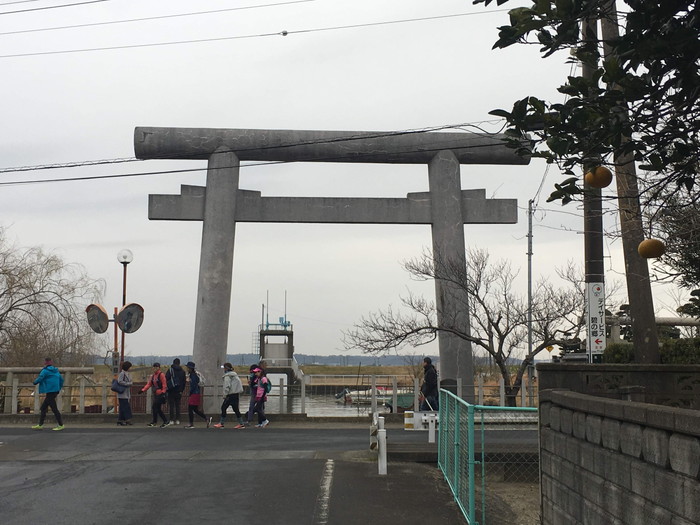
{"x":157,"y":381}
{"x":258,"y":391}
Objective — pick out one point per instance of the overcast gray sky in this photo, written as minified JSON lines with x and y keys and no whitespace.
{"x":343,"y":65}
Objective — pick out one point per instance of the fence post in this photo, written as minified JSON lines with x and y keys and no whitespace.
{"x":480,"y":388}
{"x":303,"y":394}
{"x":373,"y":386}
{"x":470,"y":462}
{"x":381,"y":443}
{"x":15,"y":394}
{"x":395,"y":394}
{"x":416,"y":390}
{"x":431,"y":428}
{"x":502,"y":392}
{"x":81,"y":402}
{"x":62,"y":399}
{"x":149,"y":394}
{"x":104,"y":399}
{"x":8,"y":393}
{"x":457,"y":445}
{"x":282,"y":409}
{"x":37,"y":404}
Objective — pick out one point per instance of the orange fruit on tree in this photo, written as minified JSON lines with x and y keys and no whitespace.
{"x":598,"y":177}
{"x":651,"y":248}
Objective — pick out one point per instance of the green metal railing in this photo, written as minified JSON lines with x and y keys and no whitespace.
{"x":468,"y":460}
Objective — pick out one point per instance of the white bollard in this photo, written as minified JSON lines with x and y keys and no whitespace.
{"x":431,"y":428}
{"x":380,"y":423}
{"x":381,"y":441}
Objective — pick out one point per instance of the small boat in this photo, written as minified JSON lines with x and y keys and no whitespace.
{"x":384,"y":396}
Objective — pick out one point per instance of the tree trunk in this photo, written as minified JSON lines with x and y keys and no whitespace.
{"x":644,"y":334}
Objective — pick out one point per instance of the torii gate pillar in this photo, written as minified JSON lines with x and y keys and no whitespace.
{"x":216,"y":264}
{"x":448,"y":248}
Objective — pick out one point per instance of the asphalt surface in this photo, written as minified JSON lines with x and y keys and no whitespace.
{"x":291,"y":475}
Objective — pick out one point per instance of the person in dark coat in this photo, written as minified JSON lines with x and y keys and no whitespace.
{"x":195,"y":398}
{"x":176,"y":380}
{"x":429,"y":389}
{"x":50,"y":382}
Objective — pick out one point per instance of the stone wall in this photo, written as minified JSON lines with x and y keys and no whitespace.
{"x":669,"y":385}
{"x":611,"y":461}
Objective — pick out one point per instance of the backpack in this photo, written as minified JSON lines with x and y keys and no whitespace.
{"x":201,"y":378}
{"x":267,"y":385}
{"x":172,"y":383}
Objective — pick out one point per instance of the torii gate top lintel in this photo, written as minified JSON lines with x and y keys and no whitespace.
{"x":389,"y":147}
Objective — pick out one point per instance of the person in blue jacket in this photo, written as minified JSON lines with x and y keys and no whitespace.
{"x":50,"y":382}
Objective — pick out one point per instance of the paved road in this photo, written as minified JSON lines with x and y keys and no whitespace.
{"x":276,"y":475}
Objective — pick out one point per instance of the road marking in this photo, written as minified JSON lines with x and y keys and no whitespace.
{"x":324,"y":495}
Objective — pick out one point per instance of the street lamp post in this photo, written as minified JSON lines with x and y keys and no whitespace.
{"x":124,"y":257}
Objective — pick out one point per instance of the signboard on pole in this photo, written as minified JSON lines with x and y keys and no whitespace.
{"x":595,"y":321}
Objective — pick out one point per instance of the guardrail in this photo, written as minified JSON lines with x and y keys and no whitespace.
{"x":327,"y":395}
{"x":468,"y":460}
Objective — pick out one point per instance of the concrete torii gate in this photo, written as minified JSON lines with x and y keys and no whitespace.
{"x":446,"y":207}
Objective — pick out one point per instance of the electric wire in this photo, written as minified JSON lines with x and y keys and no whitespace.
{"x":53,"y":7}
{"x":355,"y":159}
{"x":283,"y":33}
{"x":149,"y":18}
{"x":18,"y":2}
{"x":369,"y":135}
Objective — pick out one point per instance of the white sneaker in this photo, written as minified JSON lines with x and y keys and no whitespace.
{"x":177,"y":421}
{"x":264,"y":423}
{"x":171,"y":423}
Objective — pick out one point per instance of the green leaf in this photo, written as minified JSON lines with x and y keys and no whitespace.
{"x":500,"y":113}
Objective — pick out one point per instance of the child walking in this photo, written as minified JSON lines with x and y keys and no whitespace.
{"x":232,"y":390}
{"x":258,"y":393}
{"x":195,"y":398}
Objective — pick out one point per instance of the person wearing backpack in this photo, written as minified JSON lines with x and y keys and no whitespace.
{"x":232,"y":390}
{"x":252,"y":381}
{"x":195,"y":399}
{"x":175,"y":379}
{"x":261,"y":388}
{"x":157,"y":382}
{"x":50,"y":382}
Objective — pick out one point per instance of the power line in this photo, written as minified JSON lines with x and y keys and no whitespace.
{"x":84,"y":163}
{"x":77,"y":164}
{"x":190,"y":170}
{"x":53,"y":7}
{"x":283,"y":33}
{"x":145,"y":19}
{"x":18,"y":2}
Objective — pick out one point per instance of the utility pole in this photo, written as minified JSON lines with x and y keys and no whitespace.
{"x":641,"y":301}
{"x":593,"y":237}
{"x":531,"y":366}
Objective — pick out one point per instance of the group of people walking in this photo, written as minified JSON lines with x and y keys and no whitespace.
{"x":169,"y":387}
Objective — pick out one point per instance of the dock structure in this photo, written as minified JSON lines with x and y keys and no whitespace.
{"x":278,"y":357}
{"x":221,"y":204}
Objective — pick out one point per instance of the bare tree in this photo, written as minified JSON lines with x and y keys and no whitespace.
{"x":498,"y":316}
{"x":42,"y":303}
